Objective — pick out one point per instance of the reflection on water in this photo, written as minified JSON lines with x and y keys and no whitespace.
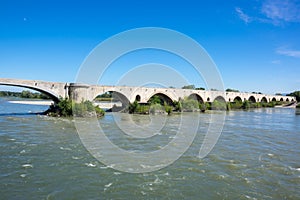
{"x":256,"y":157}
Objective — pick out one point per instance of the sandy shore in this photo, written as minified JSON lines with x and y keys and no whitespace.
{"x":46,"y":103}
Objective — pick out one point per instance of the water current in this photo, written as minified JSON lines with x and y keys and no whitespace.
{"x":256,"y":157}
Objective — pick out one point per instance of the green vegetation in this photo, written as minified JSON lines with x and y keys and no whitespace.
{"x":189,"y":105}
{"x":157,"y":105}
{"x":295,"y":94}
{"x":104,"y":97}
{"x":156,"y":108}
{"x":137,"y":108}
{"x":177,"y":106}
{"x":24,"y":94}
{"x":190,"y":87}
{"x":248,"y":104}
{"x":156,"y":100}
{"x":218,"y":105}
{"x":68,"y":108}
{"x":232,"y":90}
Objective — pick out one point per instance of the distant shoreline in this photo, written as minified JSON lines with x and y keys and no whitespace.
{"x":34,"y":102}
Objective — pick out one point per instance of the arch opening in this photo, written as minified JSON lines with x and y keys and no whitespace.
{"x":237,"y":103}
{"x":160,"y":98}
{"x":287,"y":100}
{"x":252,"y":99}
{"x":112,"y":101}
{"x":138,"y":98}
{"x":281,"y":99}
{"x":219,"y":103}
{"x":273,"y":99}
{"x":237,"y":99}
{"x":196,"y":97}
{"x":264,"y":100}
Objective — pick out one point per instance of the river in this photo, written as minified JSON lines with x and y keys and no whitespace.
{"x":256,"y":157}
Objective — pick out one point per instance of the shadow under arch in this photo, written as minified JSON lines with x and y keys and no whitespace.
{"x":197,"y":97}
{"x":162,"y":97}
{"x":237,"y":99}
{"x":264,"y":100}
{"x":252,"y":99}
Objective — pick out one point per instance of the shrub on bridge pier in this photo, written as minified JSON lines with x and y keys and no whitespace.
{"x":136,"y":108}
{"x":189,"y":105}
{"x":219,"y":105}
{"x":68,"y":108}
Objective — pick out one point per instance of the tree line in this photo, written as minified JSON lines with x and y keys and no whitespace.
{"x":24,"y":94}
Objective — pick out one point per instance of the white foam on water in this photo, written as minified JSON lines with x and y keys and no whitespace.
{"x":90,"y":164}
{"x":248,"y":197}
{"x":294,"y":168}
{"x":157,"y":180}
{"x":23,"y":151}
{"x":108,"y":185}
{"x":23,"y":175}
{"x":65,"y":148}
{"x":27,"y":166}
{"x":108,"y":166}
{"x":166,"y":174}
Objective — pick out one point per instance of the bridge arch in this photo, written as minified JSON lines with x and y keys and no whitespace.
{"x":163,"y":97}
{"x":252,"y":99}
{"x":273,"y":99}
{"x":197,"y":97}
{"x":219,"y":103}
{"x":264,"y":99}
{"x":52,"y":96}
{"x":237,"y":98}
{"x":116,"y":98}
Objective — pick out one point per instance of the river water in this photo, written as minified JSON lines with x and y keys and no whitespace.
{"x":256,"y":157}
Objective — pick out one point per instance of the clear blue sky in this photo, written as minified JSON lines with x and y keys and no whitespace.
{"x":255,"y":44}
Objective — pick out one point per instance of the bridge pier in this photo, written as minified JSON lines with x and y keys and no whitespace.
{"x":78,"y":92}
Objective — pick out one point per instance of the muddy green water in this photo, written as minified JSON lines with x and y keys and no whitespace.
{"x":256,"y":157}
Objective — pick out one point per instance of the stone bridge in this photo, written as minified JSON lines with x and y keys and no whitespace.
{"x":126,"y":94}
